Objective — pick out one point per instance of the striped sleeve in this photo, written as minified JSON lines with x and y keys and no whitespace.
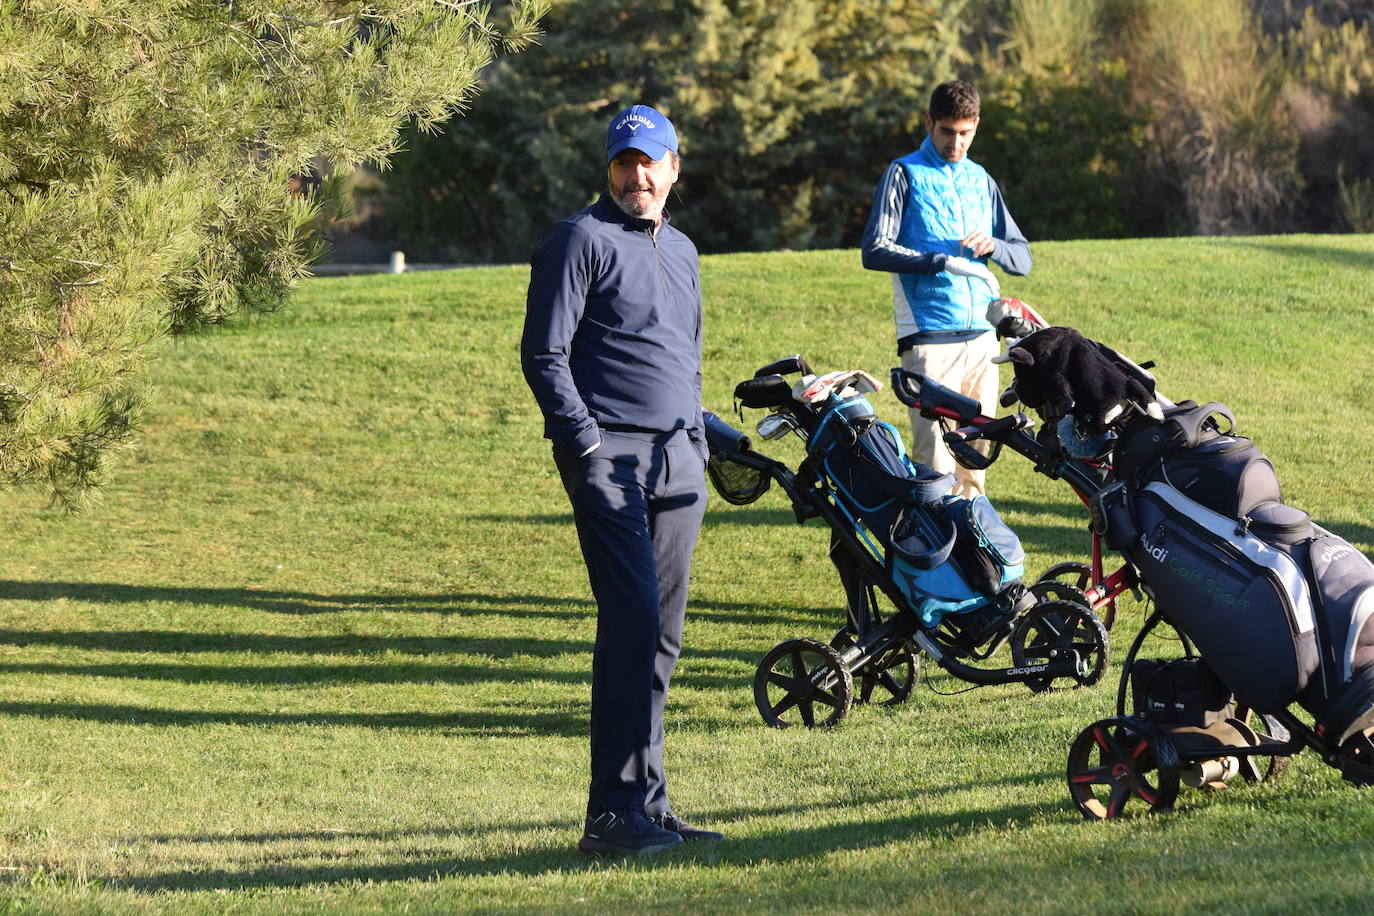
{"x":880,"y":250}
{"x":1010,"y":250}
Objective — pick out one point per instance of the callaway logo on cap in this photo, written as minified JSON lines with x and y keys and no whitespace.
{"x":643,"y":128}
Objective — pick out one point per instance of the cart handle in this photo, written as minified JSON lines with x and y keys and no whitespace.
{"x":995,"y":430}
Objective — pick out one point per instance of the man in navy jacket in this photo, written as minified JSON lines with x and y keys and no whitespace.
{"x":612,"y":351}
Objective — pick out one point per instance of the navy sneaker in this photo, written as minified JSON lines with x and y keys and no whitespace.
{"x":671,"y":822}
{"x":625,"y":832}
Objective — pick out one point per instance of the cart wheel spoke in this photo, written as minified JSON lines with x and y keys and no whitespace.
{"x":828,"y":699}
{"x":1098,"y":777}
{"x":786,"y":682}
{"x":866,"y":686}
{"x":1078,"y":575}
{"x":1117,"y":800}
{"x":1100,"y":738}
{"x":889,"y":678}
{"x":785,"y":704}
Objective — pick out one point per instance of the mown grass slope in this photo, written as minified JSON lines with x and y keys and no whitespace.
{"x":324,"y":644}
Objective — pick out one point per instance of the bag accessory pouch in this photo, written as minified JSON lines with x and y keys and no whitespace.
{"x":1112,"y":517}
{"x":1184,"y":691}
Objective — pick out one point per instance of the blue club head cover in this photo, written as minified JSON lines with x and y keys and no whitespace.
{"x":1079,"y":446}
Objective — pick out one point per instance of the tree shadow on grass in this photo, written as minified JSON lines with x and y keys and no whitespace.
{"x":309,"y":603}
{"x":773,"y":513}
{"x":279,"y":601}
{"x":1068,"y":538}
{"x":455,"y":660}
{"x":787,"y":844}
{"x":324,"y":675}
{"x":510,"y":720}
{"x":689,"y":676}
{"x":1326,"y":254}
{"x":1069,"y":508}
{"x":185,"y":642}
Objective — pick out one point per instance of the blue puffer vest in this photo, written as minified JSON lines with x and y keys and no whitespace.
{"x":946,"y":202}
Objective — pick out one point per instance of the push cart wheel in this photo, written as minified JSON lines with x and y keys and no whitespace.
{"x":1051,"y":629}
{"x":802,"y":680}
{"x":1115,"y":761}
{"x":1059,"y":590}
{"x":1079,"y":575}
{"x":890,"y":678}
{"x":887,"y":680}
{"x":1259,"y":728}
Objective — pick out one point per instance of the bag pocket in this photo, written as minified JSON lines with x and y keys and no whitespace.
{"x":923,"y":536}
{"x":1184,"y":691}
{"x":920,"y":561}
{"x":1113,"y":516}
{"x":1277,"y":523}
{"x":1243,"y":603}
{"x":987,"y":550}
{"x":1344,"y":580}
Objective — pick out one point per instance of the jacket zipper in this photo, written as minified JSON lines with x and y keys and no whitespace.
{"x":658,"y":259}
{"x":963,"y":226}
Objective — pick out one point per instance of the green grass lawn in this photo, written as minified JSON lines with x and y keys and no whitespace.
{"x":324,"y":644}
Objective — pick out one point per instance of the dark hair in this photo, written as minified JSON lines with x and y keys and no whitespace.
{"x":956,"y":99}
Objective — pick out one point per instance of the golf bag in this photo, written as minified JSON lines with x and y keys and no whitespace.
{"x":948,"y":555}
{"x":1280,"y":608}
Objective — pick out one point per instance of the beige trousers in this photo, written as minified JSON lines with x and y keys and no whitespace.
{"x":967,"y":368}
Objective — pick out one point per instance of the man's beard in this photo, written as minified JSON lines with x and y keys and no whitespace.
{"x":639,"y":208}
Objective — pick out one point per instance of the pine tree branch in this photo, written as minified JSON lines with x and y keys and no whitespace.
{"x":150,"y":141}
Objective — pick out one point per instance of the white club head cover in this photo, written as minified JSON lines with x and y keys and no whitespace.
{"x":963,"y":267}
{"x":1008,"y":307}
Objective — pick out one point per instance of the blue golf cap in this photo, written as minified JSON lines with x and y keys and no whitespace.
{"x":643,"y":128}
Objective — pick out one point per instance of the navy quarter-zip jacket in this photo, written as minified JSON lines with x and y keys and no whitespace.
{"x":612,"y":336}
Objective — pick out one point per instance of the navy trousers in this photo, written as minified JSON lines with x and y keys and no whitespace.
{"x":638,"y":502}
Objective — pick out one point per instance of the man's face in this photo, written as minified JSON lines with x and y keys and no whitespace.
{"x":951,"y":137}
{"x":639,"y":185}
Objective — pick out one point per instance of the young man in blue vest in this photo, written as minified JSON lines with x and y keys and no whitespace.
{"x":612,"y":352}
{"x":937,"y":218}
